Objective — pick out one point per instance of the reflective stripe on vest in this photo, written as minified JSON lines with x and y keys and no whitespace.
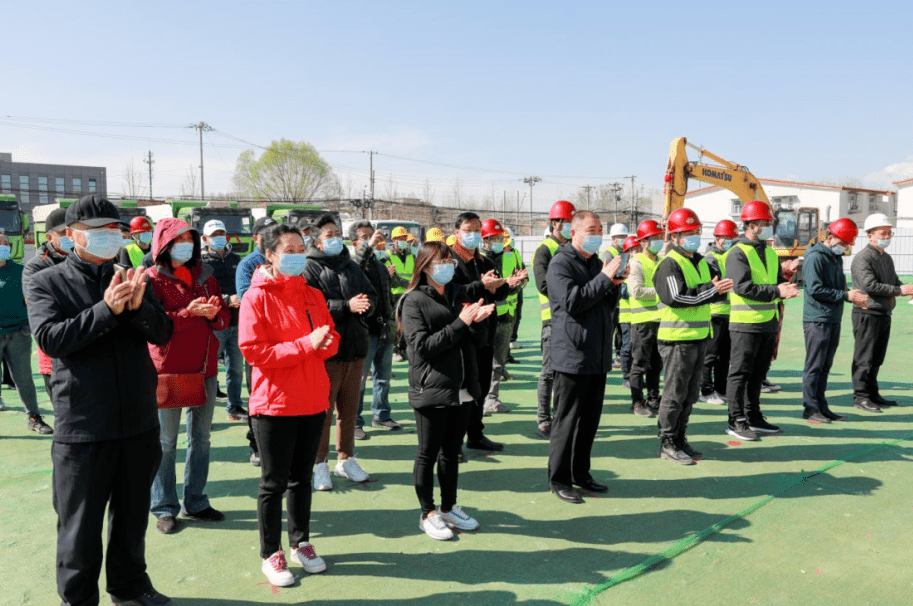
{"x":403,"y":269}
{"x":136,"y":254}
{"x":544,"y":306}
{"x":748,"y":311}
{"x":645,"y":310}
{"x":720,"y":309}
{"x":686,"y":323}
{"x":508,"y":265}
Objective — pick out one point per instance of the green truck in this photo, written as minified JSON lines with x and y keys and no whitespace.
{"x":15,"y":224}
{"x":239,"y":221}
{"x":128,"y":209}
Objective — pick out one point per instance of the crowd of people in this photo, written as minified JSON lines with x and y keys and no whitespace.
{"x":130,"y":335}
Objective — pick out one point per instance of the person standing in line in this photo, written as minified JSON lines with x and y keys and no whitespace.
{"x":629,"y":247}
{"x":510,"y":247}
{"x":754,"y":317}
{"x":716,"y":360}
{"x":617,"y":235}
{"x":287,"y":334}
{"x":583,"y":291}
{"x":403,"y":262}
{"x":191,"y":297}
{"x":97,"y":324}
{"x":646,"y":363}
{"x":822,"y":314}
{"x":874,"y":275}
{"x":132,"y":254}
{"x":369,"y":255}
{"x":686,"y":288}
{"x":440,"y":324}
{"x":351,"y":299}
{"x":559,"y":217}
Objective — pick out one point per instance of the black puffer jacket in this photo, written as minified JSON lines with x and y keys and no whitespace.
{"x":470,"y":276}
{"x":46,"y":256}
{"x":339,"y":278}
{"x":440,"y":346}
{"x":380,"y":323}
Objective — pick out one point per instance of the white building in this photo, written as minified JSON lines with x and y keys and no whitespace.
{"x":714,"y":203}
{"x":904,"y":203}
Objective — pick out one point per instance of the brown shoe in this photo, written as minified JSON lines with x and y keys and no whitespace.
{"x":166,"y":525}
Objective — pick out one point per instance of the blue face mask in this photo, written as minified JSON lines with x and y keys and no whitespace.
{"x":380,"y":254}
{"x":883,"y":244}
{"x":103,"y":243}
{"x":5,"y":252}
{"x":497,"y":247}
{"x":471,"y":240}
{"x":218,"y":242}
{"x":181,"y":252}
{"x":838,"y":249}
{"x":65,"y":244}
{"x":766,"y":233}
{"x":292,"y":264}
{"x":591,"y":244}
{"x":691,"y":243}
{"x":727,"y":244}
{"x":442,"y":273}
{"x":414,"y":250}
{"x":332,"y":246}
{"x":655,"y":246}
{"x":145,"y":237}
{"x":306,"y":240}
{"x":565,"y":231}
{"x":402,"y":244}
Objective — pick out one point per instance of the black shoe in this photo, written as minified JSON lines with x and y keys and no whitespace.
{"x":511,"y":360}
{"x":593,"y":486}
{"x":762,"y":426}
{"x":833,"y":416}
{"x":768,"y":387}
{"x":389,"y":424}
{"x":653,"y":405}
{"x":671,"y":452}
{"x":882,"y":402}
{"x":742,"y":431}
{"x":484,"y":444}
{"x":544,"y":430}
{"x":166,"y":525}
{"x":255,"y":458}
{"x":360,"y":433}
{"x":688,"y":450}
{"x":237,"y":414}
{"x":641,"y":409}
{"x":867,"y":405}
{"x":221,"y":396}
{"x":38,"y":425}
{"x":150,"y":598}
{"x":813,"y":416}
{"x":461,"y":458}
{"x":568,"y":495}
{"x":206,"y":515}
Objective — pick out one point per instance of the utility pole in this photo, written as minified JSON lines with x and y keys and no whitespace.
{"x":633,"y":217}
{"x":531,"y":180}
{"x":201,"y":126}
{"x":371,"y":166}
{"x":587,"y":188}
{"x":150,"y":162}
{"x":615,"y":188}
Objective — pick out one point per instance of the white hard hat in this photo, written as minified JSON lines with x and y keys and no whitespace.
{"x":510,"y":233}
{"x":618,"y":229}
{"x":877,"y":220}
{"x":212,"y":226}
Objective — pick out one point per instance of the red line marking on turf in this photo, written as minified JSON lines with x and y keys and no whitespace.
{"x":818,"y":571}
{"x":734,"y":443}
{"x":868,"y":534}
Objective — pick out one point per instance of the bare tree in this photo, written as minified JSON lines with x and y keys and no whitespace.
{"x":390,"y":189}
{"x":428,"y":191}
{"x":133,"y":180}
{"x":456,"y":193}
{"x":189,"y":187}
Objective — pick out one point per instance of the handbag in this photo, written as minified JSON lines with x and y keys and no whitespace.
{"x":183,"y":390}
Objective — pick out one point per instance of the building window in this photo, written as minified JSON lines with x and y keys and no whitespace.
{"x":736,"y":208}
{"x":24,"y":189}
{"x":77,"y":186}
{"x":93,"y":186}
{"x":42,"y":190}
{"x":60,"y":184}
{"x":853,"y":204}
{"x":6,"y":184}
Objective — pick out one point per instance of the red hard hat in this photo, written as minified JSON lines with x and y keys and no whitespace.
{"x":756,"y":210}
{"x":140,"y":224}
{"x":629,"y":243}
{"x":648,"y":229}
{"x":683,"y":219}
{"x":845,"y":229}
{"x":491,"y":227}
{"x":726,"y":229}
{"x":562,"y":209}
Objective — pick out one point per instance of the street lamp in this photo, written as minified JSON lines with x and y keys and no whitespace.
{"x":531,"y":180}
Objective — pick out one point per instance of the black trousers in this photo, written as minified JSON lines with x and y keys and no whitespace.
{"x":546,"y":378}
{"x":646,"y":363}
{"x":485,"y":357}
{"x":749,"y":361}
{"x":578,"y":408}
{"x":871,"y":334}
{"x":681,"y":385}
{"x":616,"y":330}
{"x":88,"y":478}
{"x":517,"y":316}
{"x":821,"y":341}
{"x":716,"y":360}
{"x":288,"y":450}
{"x":440,"y":435}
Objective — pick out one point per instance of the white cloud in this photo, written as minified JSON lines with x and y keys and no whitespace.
{"x":885,"y":177}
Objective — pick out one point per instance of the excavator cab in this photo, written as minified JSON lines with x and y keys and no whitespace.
{"x":795,"y":229}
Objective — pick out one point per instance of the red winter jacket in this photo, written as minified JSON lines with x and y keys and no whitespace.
{"x":289,"y":377}
{"x":186,"y":350}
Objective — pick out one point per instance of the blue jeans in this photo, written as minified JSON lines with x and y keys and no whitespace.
{"x":378,"y":363}
{"x":234,"y":363}
{"x":196,"y":470}
{"x":16,"y":347}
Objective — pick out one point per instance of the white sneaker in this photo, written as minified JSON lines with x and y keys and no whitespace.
{"x":459,"y":519}
{"x":322,"y":480}
{"x":349,"y":468}
{"x":493,"y":405}
{"x":305,"y":555}
{"x":276,"y":570}
{"x":516,"y":344}
{"x":435,"y":527}
{"x":714,"y":398}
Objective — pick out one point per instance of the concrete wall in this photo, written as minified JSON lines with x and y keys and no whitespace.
{"x":905,"y":205}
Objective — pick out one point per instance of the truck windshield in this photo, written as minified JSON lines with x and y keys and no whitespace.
{"x":9,"y":222}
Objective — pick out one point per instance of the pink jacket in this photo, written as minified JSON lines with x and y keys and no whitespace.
{"x":289,"y":376}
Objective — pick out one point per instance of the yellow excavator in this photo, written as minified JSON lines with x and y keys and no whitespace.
{"x":795,"y":229}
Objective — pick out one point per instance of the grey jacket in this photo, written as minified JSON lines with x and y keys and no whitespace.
{"x":874,"y":274}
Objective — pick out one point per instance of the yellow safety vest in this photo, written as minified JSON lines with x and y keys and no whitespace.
{"x":644,"y":310}
{"x":686,"y":323}
{"x":508,"y":265}
{"x":748,"y":311}
{"x":544,"y":306}
{"x":609,"y":253}
{"x":624,"y":311}
{"x":136,"y":254}
{"x":720,"y":309}
{"x":404,"y":270}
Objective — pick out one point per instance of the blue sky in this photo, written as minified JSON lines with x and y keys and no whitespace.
{"x":577,"y":92}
